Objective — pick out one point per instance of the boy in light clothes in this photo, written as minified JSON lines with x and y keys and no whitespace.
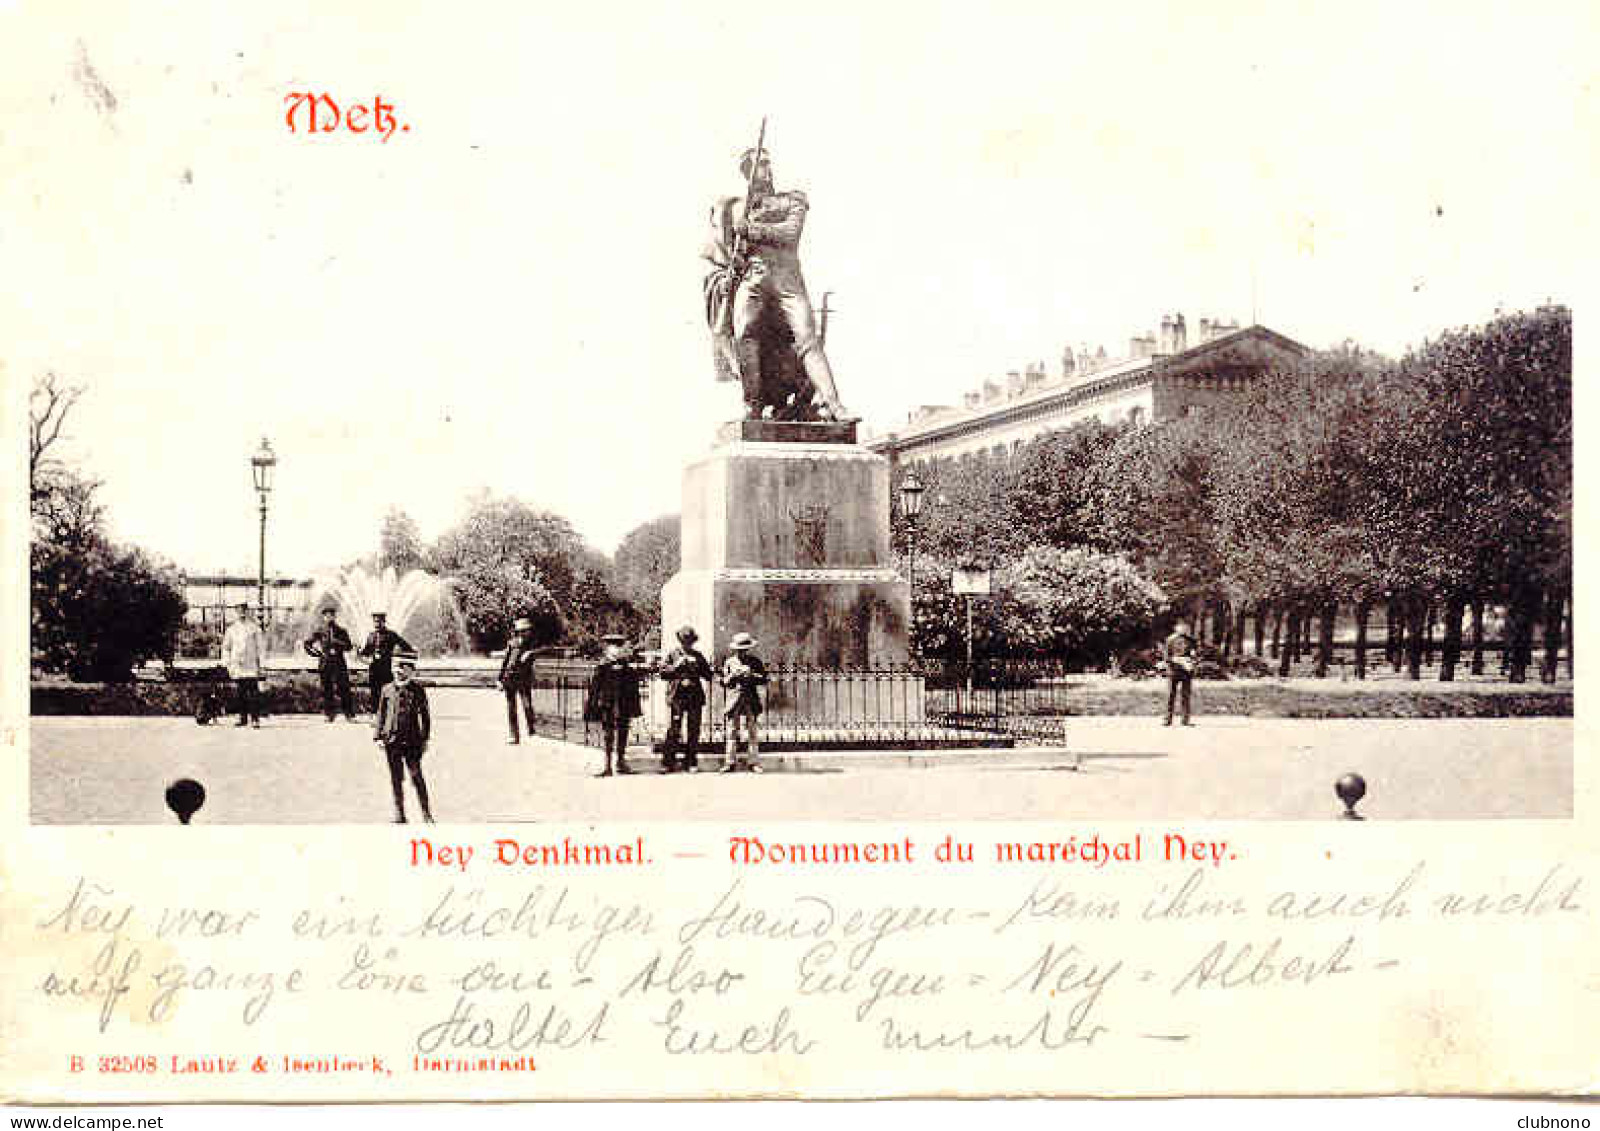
{"x":743,"y":674}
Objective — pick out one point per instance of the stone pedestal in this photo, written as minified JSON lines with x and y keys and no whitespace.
{"x":786,"y":537}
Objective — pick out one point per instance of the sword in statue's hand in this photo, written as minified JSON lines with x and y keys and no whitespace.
{"x":741,"y":241}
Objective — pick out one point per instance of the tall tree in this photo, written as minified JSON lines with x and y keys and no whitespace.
{"x":97,"y":609}
{"x":49,"y":402}
{"x":1476,"y":477}
{"x":1290,"y":491}
{"x":400,"y":543}
{"x":506,"y":558}
{"x":1043,"y":499}
{"x":1149,"y":497}
{"x":646,"y":559}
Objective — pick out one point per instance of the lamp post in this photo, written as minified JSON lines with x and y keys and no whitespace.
{"x":261,"y":466}
{"x":911,"y":489}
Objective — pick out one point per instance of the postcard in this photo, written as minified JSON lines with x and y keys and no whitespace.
{"x":633,"y":552}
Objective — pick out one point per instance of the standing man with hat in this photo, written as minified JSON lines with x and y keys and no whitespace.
{"x":244,"y":651}
{"x":743,"y":675}
{"x":684,"y":669}
{"x":1178,"y":652}
{"x":516,"y":677}
{"x":613,"y":701}
{"x":329,"y":644}
{"x":379,"y":651}
{"x":403,"y":727}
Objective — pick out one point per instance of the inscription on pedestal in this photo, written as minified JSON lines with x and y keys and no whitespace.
{"x":790,"y":542}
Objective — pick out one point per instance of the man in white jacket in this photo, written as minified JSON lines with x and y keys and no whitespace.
{"x":244,"y":649}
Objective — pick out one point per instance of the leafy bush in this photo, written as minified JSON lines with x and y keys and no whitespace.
{"x":1249,"y":667}
{"x":1138,"y":663}
{"x":1075,"y":605}
{"x":216,"y":674}
{"x":199,"y":642}
{"x":100,"y":610}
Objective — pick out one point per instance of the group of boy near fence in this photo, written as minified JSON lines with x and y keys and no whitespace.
{"x":613,"y":700}
{"x":402,"y":724}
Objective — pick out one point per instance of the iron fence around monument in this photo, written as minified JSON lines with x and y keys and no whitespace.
{"x":902,"y":706}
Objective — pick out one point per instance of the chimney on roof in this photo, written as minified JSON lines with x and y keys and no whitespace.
{"x":1068,"y":362}
{"x":1014,"y":383}
{"x":973,"y":399}
{"x":1180,"y":333}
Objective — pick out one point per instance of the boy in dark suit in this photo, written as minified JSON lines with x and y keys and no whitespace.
{"x":686,"y":671}
{"x":403,"y":727}
{"x":613,"y":702}
{"x":516,"y":677}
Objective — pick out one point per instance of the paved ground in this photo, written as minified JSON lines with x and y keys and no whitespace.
{"x":300,"y":770}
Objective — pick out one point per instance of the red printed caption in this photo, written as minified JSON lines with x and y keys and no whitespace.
{"x":319,"y":113}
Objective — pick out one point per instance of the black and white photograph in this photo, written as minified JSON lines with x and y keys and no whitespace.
{"x":701,"y":452}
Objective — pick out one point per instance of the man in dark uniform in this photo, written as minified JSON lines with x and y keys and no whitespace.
{"x":516,"y":677}
{"x":613,"y":702}
{"x":379,"y":652}
{"x":329,"y":644}
{"x":685,"y":669}
{"x":403,"y":727}
{"x":1178,"y":653}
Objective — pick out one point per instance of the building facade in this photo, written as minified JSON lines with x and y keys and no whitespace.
{"x":211,"y":597}
{"x":1162,"y":378}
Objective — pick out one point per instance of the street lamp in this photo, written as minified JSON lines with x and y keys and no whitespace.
{"x":911,"y":489}
{"x":261,"y":465}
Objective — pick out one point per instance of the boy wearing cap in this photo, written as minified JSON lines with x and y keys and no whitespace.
{"x":244,"y":650}
{"x":684,"y":669}
{"x":379,"y":650}
{"x":613,"y":702}
{"x":329,"y":644}
{"x":403,"y":727}
{"x":516,"y":677}
{"x":743,"y":675}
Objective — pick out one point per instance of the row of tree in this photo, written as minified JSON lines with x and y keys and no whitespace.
{"x":1346,"y":489}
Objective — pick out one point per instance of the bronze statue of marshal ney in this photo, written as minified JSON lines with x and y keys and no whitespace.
{"x":764,"y":333}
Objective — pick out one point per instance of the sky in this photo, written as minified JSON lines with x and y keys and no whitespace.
{"x":506,"y":296}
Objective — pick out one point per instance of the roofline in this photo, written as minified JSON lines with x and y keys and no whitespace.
{"x":228,"y":579}
{"x":1104,"y":382}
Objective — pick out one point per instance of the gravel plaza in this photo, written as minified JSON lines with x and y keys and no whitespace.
{"x":302,"y":770}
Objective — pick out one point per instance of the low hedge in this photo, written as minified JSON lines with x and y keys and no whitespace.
{"x":1277,"y":701}
{"x":301,"y":694}
{"x":297,"y":694}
